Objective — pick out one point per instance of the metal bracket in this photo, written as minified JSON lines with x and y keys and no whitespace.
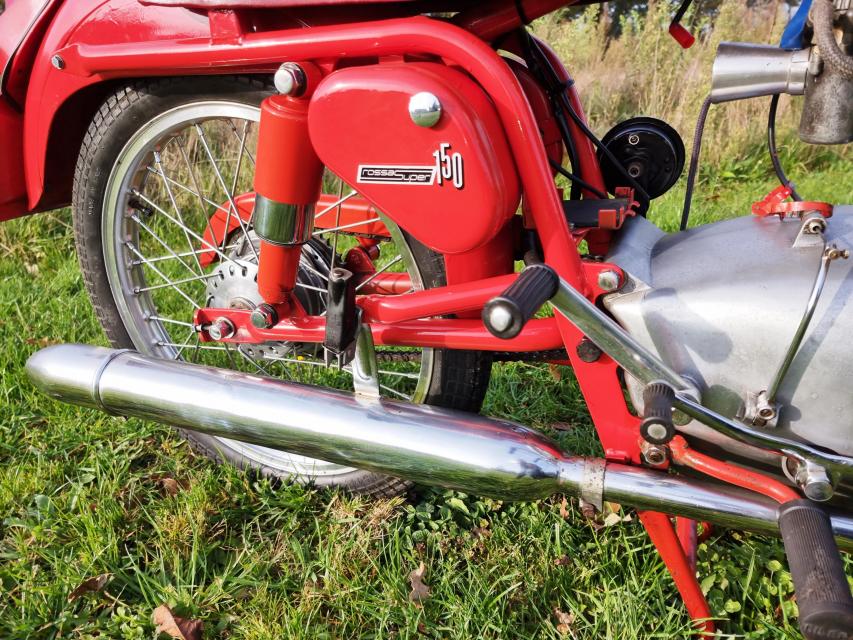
{"x":810,"y":235}
{"x":758,"y":411}
{"x":592,"y":482}
{"x":365,"y":371}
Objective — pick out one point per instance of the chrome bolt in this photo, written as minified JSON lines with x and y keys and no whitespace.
{"x":289,"y":79}
{"x":656,"y":431}
{"x":609,"y":280}
{"x":221,"y":329}
{"x":814,"y":482}
{"x":424,"y":109}
{"x":57,"y":62}
{"x":499,"y":318}
{"x":655,"y":455}
{"x":633,"y":139}
{"x":814,"y":223}
{"x":264,"y":316}
{"x":588,"y":351}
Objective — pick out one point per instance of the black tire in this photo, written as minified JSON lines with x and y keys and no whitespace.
{"x":459,"y":378}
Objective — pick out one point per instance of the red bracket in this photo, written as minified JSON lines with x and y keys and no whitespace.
{"x":776,"y":203}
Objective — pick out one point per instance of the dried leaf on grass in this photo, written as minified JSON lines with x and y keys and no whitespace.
{"x":564,"y":621}
{"x":420,"y":591}
{"x":41,"y":342}
{"x":167,"y":484}
{"x":562,"y":426}
{"x":564,"y":511}
{"x":94,"y":584}
{"x":555,"y":372}
{"x":175,"y":627}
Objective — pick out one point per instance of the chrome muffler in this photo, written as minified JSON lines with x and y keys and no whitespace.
{"x":425,"y":444}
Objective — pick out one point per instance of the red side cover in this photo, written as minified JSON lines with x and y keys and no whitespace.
{"x":452,"y":185}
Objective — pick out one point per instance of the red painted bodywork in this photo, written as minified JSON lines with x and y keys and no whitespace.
{"x":495,"y":111}
{"x":370,"y":146}
{"x":294,"y":178}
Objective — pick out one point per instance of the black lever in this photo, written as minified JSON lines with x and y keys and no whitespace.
{"x":506,"y":315}
{"x":657,"y":426}
{"x":823,"y":594}
{"x":341,"y":315}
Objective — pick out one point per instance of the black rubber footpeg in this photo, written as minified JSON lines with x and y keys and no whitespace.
{"x":823,"y":594}
{"x":657,"y":426}
{"x":341,"y":312}
{"x":506,"y":315}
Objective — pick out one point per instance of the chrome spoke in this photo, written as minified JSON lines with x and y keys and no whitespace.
{"x":204,"y":242}
{"x":395,"y":392}
{"x":308,"y":267}
{"x":203,"y":347}
{"x":180,"y":323}
{"x":335,"y":204}
{"x":198,"y":252}
{"x":343,"y":226}
{"x":310,"y":288}
{"x":162,"y":243}
{"x":246,"y":125}
{"x":154,"y":287}
{"x":382,"y":270}
{"x":204,"y":200}
{"x":159,"y":163}
{"x":400,"y":374}
{"x":228,"y":193}
{"x":239,"y":153}
{"x":186,"y":342}
{"x":201,"y":198}
{"x":337,"y":223}
{"x":130,"y":246}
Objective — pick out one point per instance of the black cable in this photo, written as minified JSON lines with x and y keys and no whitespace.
{"x":534,"y":65}
{"x":519,"y":9}
{"x":583,"y":184}
{"x":681,"y":11}
{"x":774,"y":154}
{"x":567,"y":106}
{"x":694,"y":161}
{"x":603,"y":148}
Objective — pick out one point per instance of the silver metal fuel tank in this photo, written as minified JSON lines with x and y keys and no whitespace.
{"x":721,"y":303}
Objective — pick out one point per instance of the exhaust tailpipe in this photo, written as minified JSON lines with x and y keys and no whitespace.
{"x":425,"y":444}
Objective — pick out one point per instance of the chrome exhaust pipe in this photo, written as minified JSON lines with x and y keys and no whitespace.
{"x":425,"y":444}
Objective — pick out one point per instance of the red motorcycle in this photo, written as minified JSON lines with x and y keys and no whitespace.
{"x":298,"y":221}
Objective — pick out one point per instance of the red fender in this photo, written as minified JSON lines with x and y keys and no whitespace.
{"x":56,"y":100}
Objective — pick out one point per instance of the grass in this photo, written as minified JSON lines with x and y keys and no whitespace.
{"x":83,"y":494}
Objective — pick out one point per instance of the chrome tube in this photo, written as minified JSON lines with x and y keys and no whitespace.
{"x":746,"y":70}
{"x":608,"y":336}
{"x":421,"y":443}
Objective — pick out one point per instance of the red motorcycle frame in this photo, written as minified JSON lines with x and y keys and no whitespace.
{"x":71,"y":54}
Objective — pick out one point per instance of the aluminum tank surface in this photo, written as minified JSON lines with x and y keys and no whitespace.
{"x":721,"y":303}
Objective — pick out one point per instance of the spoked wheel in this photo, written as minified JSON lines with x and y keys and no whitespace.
{"x":161,"y":163}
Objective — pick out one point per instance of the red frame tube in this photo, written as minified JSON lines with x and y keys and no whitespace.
{"x":443,"y":333}
{"x":663,"y":536}
{"x":733,"y":474}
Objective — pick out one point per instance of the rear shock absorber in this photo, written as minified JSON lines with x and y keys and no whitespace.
{"x":288,"y":180}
